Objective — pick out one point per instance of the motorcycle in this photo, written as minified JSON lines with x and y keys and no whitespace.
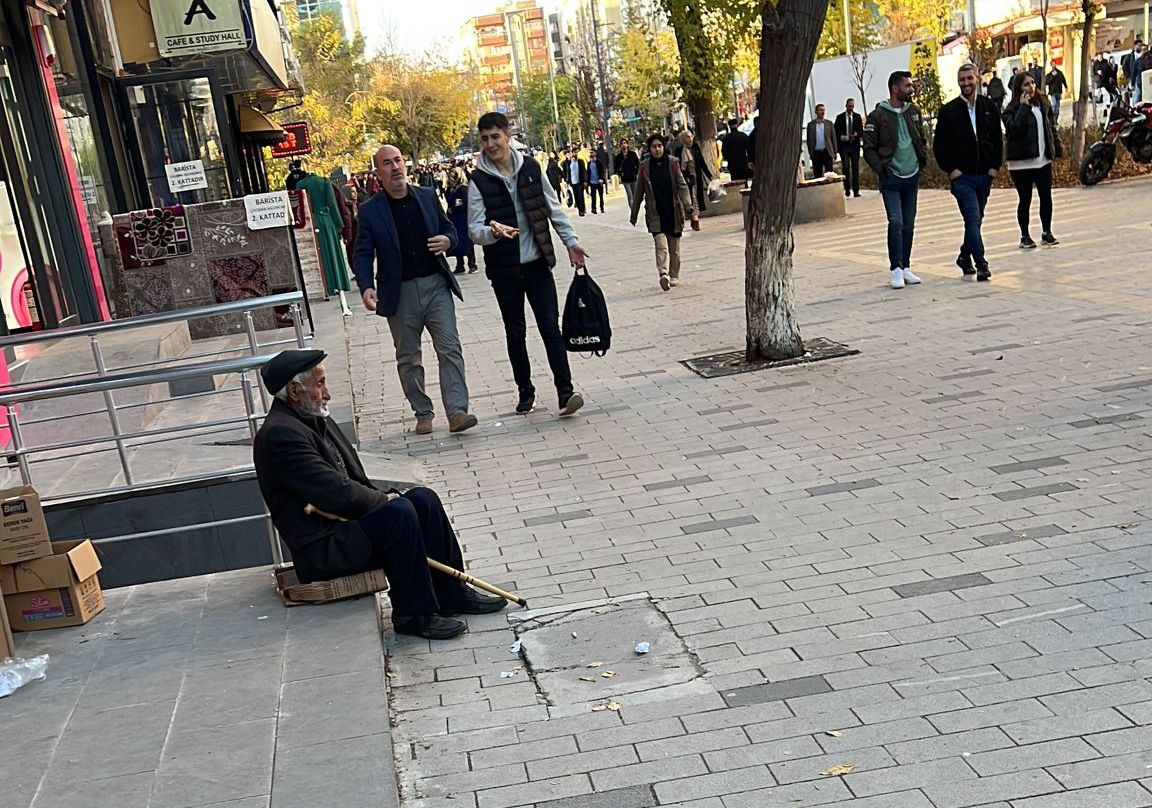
{"x":1131,"y":126}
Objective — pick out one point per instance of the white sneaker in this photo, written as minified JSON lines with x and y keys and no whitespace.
{"x":897,"y":279}
{"x":909,"y":278}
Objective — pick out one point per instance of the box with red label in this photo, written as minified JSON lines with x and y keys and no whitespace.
{"x":23,"y":528}
{"x":60,"y":590}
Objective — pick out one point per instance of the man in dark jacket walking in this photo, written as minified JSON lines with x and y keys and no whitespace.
{"x":894,"y":148}
{"x":627,"y":167}
{"x":849,"y":134}
{"x":302,"y":458}
{"x":1055,"y":84}
{"x":575,"y":173}
{"x":735,"y":151}
{"x":969,"y":148}
{"x":405,"y":233}
{"x":996,"y":91}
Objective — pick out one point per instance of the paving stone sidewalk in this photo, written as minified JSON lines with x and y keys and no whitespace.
{"x":927,"y":565}
{"x":203,"y":692}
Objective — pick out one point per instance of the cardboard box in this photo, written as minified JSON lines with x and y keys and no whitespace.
{"x":294,"y":593}
{"x":60,"y":590}
{"x":23,"y":528}
{"x":7,"y":646}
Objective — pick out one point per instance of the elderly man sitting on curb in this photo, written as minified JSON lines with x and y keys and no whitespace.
{"x":302,"y":458}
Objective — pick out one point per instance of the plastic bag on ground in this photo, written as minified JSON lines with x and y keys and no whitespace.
{"x":16,"y":673}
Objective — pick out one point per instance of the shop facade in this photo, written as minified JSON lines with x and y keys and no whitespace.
{"x":108,"y":110}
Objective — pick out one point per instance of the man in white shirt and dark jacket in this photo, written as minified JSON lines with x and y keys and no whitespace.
{"x":302,"y":458}
{"x":510,"y":209}
{"x":969,"y":148}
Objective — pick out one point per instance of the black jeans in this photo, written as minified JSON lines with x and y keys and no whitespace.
{"x":821,"y":163}
{"x":851,"y":163}
{"x":533,"y":282}
{"x":597,"y":192}
{"x":578,"y":193}
{"x":1024,"y":180}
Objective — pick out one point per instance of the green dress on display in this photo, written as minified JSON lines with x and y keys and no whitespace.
{"x":328,"y":225}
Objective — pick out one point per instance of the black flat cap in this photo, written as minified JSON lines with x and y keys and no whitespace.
{"x":286,"y":364}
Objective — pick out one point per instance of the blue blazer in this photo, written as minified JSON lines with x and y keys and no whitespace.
{"x":377,"y":242}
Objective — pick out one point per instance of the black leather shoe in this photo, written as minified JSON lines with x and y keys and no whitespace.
{"x":983,"y":274}
{"x":473,"y":602}
{"x":429,"y":626}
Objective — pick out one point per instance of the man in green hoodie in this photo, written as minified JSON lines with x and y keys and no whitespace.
{"x":894,"y":149}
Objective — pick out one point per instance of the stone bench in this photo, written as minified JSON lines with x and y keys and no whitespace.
{"x":816,"y":200}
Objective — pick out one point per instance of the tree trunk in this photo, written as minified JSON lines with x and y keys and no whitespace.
{"x":1080,"y":112}
{"x":790,"y":32}
{"x":704,"y":114}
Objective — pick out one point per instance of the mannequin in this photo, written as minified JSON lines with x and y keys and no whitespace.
{"x":329,"y":223}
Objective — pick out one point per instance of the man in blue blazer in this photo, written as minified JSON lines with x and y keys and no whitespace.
{"x":404,"y":232}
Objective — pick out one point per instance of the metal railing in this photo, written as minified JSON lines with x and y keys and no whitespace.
{"x":10,"y":400}
{"x":245,"y":308}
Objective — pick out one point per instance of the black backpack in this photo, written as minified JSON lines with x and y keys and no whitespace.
{"x":585,"y":325}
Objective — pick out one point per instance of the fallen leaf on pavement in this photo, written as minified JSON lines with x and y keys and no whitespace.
{"x":587,"y":679}
{"x":1129,"y":526}
{"x":614,"y":706}
{"x":599,"y":708}
{"x":608,"y":674}
{"x":839,"y":770}
{"x":594,"y":664}
{"x":835,"y":733}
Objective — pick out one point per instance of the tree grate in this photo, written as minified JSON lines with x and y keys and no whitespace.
{"x":729,"y":363}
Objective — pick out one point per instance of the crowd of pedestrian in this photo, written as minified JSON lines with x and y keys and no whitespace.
{"x":972,"y":136}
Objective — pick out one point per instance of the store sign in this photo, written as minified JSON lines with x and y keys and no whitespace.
{"x":266,"y":211}
{"x":191,"y":27}
{"x":298,"y":142}
{"x":186,"y":176}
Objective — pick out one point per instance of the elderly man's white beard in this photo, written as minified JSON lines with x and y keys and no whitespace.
{"x":314,"y":410}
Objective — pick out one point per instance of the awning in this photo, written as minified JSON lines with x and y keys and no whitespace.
{"x":258,"y":127}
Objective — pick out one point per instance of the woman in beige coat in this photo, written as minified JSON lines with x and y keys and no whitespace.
{"x":667,"y":203}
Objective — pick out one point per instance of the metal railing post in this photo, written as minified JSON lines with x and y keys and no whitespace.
{"x":18,"y":445}
{"x":297,"y":324}
{"x":250,"y":411}
{"x":254,"y":347}
{"x":110,"y":406}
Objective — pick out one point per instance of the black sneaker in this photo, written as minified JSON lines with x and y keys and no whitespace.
{"x":983,"y":274}
{"x":571,"y":403}
{"x":527,"y":403}
{"x":1026,"y":243}
{"x":966,"y":267}
{"x":1049,"y":240}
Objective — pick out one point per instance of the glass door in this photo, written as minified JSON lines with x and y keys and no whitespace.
{"x":177,"y":120}
{"x":36,"y":294}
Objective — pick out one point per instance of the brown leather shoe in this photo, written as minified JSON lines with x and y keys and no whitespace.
{"x":423,"y":425}
{"x":461,"y":421}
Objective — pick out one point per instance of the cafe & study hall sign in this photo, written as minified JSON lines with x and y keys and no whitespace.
{"x":189,"y":27}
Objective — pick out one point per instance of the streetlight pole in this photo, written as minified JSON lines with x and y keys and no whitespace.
{"x":847,"y":29}
{"x":603,"y":88}
{"x":520,"y":110}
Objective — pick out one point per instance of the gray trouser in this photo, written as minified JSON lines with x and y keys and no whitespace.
{"x":427,"y":303}
{"x":630,"y":191}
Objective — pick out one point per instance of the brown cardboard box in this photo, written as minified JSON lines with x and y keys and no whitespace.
{"x":60,"y":590}
{"x":294,"y":593}
{"x":23,"y":529}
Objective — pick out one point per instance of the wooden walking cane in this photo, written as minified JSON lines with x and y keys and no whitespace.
{"x":436,"y":565}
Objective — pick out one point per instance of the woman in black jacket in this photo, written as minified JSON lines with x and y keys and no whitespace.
{"x":1033,"y":142}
